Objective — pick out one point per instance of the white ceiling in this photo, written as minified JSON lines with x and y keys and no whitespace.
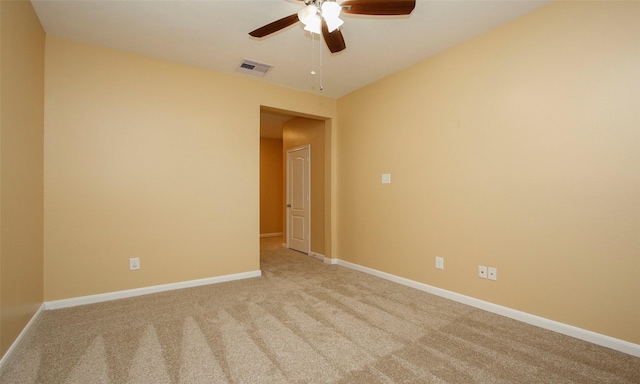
{"x":213,"y":34}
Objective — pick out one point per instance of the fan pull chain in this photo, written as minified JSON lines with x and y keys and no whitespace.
{"x":321,"y":69}
{"x":313,"y":55}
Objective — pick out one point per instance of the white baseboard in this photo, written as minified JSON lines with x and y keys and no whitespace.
{"x":330,"y":261}
{"x":15,"y":343}
{"x":565,"y":329}
{"x":317,"y":255}
{"x":65,"y":303}
{"x":277,"y":234}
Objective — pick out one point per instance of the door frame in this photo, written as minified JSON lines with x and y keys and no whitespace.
{"x":288,"y":195}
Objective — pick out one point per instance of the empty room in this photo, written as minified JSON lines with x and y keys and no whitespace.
{"x":309,"y":191}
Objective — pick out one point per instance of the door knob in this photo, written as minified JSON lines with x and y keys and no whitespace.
{"x":288,"y":205}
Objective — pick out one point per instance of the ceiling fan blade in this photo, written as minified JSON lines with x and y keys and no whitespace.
{"x":334,"y":40}
{"x":378,"y":7}
{"x":275,"y":26}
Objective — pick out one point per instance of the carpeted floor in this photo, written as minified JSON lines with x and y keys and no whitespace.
{"x":302,"y":322}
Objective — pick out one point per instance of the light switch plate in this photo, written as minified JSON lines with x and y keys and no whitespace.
{"x":386,"y":178}
{"x":134,"y":263}
{"x":482,"y":272}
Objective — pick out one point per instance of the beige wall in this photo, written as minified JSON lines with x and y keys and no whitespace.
{"x":516,"y":150}
{"x":22,"y":42}
{"x":271,"y":192}
{"x":150,"y":159}
{"x":296,"y":133}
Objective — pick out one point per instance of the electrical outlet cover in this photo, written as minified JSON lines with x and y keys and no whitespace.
{"x":439,"y":263}
{"x":134,"y":263}
{"x":492,"y":273}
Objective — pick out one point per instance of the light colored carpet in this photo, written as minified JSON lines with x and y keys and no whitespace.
{"x":302,"y":322}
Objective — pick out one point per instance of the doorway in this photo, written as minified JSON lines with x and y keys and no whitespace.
{"x":297,"y":131}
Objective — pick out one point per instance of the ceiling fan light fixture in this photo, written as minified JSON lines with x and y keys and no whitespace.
{"x":314,"y":25}
{"x":308,"y":13}
{"x":310,"y":18}
{"x":331,"y":9}
{"x":331,"y":14}
{"x":333,"y":24}
{"x":323,"y":17}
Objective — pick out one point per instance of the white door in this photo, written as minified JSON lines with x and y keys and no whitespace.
{"x":299,"y":199}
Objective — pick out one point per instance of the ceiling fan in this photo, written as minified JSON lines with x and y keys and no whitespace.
{"x":323,"y":16}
